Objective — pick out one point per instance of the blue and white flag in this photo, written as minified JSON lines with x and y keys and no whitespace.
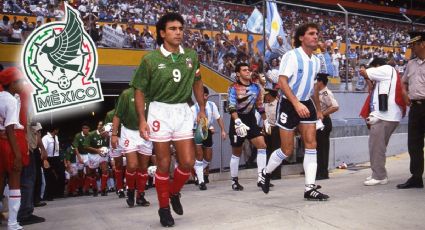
{"x":274,"y":26}
{"x":255,"y":22}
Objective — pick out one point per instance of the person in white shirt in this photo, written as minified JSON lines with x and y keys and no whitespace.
{"x":336,"y":59}
{"x":55,"y":175}
{"x":13,"y":144}
{"x":385,"y":115}
{"x":204,"y":149}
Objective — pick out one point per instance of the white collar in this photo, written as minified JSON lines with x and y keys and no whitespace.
{"x":167,"y":53}
{"x":50,"y":135}
{"x":303,"y":53}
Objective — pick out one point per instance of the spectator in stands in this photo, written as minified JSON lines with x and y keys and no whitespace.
{"x":5,"y":29}
{"x":16,"y":33}
{"x":272,"y":74}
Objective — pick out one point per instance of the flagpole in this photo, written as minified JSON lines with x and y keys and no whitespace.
{"x":264,"y":34}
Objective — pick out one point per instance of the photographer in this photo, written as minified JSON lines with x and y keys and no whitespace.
{"x":384,"y":117}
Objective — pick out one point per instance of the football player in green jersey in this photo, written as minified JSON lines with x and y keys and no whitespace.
{"x":82,"y":158}
{"x":97,"y":146}
{"x":167,"y":77}
{"x":136,"y":149}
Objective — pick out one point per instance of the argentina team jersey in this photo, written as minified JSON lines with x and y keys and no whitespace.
{"x":301,"y":71}
{"x":243,"y":99}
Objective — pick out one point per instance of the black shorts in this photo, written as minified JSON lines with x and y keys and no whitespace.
{"x":207,"y":143}
{"x":253,"y":132}
{"x":287,"y":118}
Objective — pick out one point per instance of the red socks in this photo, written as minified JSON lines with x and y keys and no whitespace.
{"x":162,"y":185}
{"x":118,"y":179}
{"x":142,"y":177}
{"x":130,"y":179}
{"x":103,"y":181}
{"x":180,"y":178}
{"x":87,"y":181}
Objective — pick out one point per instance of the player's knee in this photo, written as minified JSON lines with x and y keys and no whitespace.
{"x":131,"y":167}
{"x":311,"y":145}
{"x":187,"y":165}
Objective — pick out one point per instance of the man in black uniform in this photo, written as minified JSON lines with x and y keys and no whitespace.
{"x":414,"y":95}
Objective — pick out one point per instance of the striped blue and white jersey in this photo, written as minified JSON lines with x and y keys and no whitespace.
{"x":301,"y":71}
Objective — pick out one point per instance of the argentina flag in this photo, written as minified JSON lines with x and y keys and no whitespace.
{"x":255,"y":22}
{"x":274,"y":26}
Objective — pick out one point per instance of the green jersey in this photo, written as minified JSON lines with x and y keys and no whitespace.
{"x":70,"y":155}
{"x":78,"y":142}
{"x":95,"y":140}
{"x":126,"y":110}
{"x":166,"y":77}
{"x":109,"y":116}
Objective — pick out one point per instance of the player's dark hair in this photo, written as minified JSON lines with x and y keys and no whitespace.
{"x":323,"y":77}
{"x":239,"y":65}
{"x":85,"y":123}
{"x":206,"y":91}
{"x":378,"y":62}
{"x":51,"y":127}
{"x":162,"y":22}
{"x":300,"y":31}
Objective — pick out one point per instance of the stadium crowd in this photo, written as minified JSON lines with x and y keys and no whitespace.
{"x":220,"y":52}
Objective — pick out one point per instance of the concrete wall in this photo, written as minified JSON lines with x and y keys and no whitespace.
{"x":355,"y":149}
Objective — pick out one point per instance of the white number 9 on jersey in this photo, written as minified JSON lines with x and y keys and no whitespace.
{"x":177,"y":76}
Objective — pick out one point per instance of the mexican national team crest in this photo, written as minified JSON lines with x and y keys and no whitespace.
{"x":60,"y":60}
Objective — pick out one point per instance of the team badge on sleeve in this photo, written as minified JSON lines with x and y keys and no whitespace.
{"x":189,"y":63}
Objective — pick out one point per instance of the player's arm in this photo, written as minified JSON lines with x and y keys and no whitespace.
{"x":223,"y":131}
{"x":316,"y":101}
{"x":232,"y":102}
{"x":198,"y":91}
{"x":299,"y":107}
{"x":114,"y":137}
{"x":41,"y":146}
{"x":139,"y":99}
{"x":88,"y":145}
{"x":260,"y":105}
{"x":10,"y":133}
{"x":75,"y":145}
{"x":216,"y":115}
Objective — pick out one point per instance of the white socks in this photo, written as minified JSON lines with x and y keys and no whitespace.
{"x":275,"y":160}
{"x":14,"y":204}
{"x":310,"y":167}
{"x":234,"y":166}
{"x":261,"y":161}
{"x":199,"y":170}
{"x":205,"y":163}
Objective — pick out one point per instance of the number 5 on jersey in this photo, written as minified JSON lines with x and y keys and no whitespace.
{"x":177,"y":76}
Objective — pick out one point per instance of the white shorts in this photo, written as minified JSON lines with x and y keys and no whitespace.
{"x":95,"y":160}
{"x":170,"y":122}
{"x":85,"y":158}
{"x":131,"y":141}
{"x":115,"y":152}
